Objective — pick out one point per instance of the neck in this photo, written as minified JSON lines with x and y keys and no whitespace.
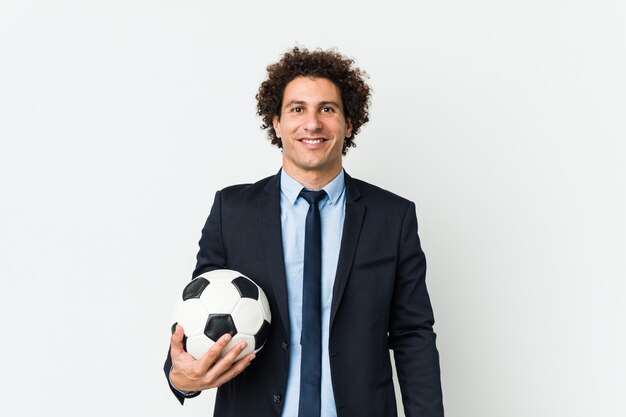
{"x":312,"y":179}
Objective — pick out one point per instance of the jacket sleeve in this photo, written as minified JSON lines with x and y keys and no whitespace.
{"x":210,"y":256}
{"x":411,"y":333}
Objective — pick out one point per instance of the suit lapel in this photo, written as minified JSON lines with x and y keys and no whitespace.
{"x":349,"y":240}
{"x":269,"y":208}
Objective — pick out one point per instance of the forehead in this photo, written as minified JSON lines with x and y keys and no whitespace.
{"x":311,"y":90}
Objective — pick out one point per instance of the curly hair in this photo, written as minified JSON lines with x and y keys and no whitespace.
{"x":298,"y":62}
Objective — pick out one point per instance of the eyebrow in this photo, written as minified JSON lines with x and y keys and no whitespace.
{"x":321,"y":103}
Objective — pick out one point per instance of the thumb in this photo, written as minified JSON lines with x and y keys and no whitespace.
{"x":176,"y":341}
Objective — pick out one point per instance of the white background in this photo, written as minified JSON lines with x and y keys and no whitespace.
{"x":503,"y":121}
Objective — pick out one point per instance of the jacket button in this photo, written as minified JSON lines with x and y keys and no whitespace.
{"x":277,"y":399}
{"x":285,"y":346}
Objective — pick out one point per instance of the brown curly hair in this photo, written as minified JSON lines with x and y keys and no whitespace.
{"x":355,"y":93}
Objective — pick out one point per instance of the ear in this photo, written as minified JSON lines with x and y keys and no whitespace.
{"x":348,"y":127}
{"x":276,"y":124}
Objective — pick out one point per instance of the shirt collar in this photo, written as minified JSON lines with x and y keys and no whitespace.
{"x":291,"y":188}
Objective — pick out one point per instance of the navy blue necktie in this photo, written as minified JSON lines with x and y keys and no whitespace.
{"x":311,"y":338}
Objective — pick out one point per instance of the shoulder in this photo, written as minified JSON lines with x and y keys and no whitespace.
{"x":371,"y":194}
{"x":383,"y":209}
{"x":244,"y":192}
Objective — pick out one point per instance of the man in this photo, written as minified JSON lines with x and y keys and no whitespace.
{"x":342,"y":268}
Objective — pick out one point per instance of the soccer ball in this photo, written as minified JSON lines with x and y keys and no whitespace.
{"x":219,"y":302}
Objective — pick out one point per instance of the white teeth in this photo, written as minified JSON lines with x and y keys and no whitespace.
{"x":311,"y":140}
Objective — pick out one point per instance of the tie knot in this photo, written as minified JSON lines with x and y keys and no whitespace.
{"x":313,"y":197}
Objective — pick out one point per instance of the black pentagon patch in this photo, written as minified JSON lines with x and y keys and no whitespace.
{"x":218,"y":325}
{"x":261,"y":336}
{"x":246,"y":288}
{"x":195,"y":288}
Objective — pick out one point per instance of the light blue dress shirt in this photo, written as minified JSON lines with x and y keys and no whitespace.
{"x":293,"y":211}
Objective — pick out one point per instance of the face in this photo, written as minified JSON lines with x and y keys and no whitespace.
{"x":312,"y":127}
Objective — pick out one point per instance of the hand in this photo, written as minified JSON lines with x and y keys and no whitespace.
{"x":209,"y":371}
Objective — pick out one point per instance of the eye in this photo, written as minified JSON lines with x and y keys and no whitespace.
{"x":327,"y":109}
{"x":296,"y":109}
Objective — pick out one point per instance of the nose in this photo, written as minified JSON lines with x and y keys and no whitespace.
{"x":313,"y":123}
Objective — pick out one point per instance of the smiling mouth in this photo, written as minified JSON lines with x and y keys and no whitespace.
{"x":313,"y":141}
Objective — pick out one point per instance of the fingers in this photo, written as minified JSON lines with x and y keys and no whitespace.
{"x":176,"y":341}
{"x":209,"y":371}
{"x":234,"y":370}
{"x":226,"y":362}
{"x":210,"y":356}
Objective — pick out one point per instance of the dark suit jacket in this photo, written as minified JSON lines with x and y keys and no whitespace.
{"x":379,"y":303}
